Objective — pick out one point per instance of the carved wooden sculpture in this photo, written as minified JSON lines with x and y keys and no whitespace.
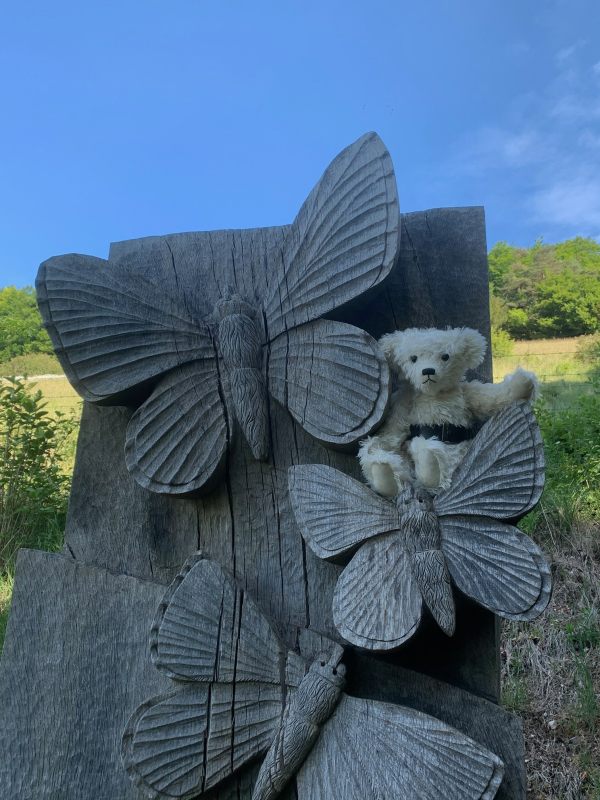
{"x":210,"y":362}
{"x":412,"y":547}
{"x":243,"y":693}
{"x":75,"y":664}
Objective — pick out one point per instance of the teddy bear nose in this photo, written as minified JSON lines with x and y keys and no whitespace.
{"x":428,"y":371}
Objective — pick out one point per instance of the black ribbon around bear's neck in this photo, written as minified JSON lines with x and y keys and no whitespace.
{"x":447,"y":433}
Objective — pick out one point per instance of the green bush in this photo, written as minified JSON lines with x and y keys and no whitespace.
{"x":33,"y":484}
{"x":548,"y":290}
{"x":572,"y":448}
{"x":21,"y":329}
{"x":502,"y":344}
{"x":589,"y":353}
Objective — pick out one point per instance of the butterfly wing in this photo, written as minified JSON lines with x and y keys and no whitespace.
{"x":497,"y":565}
{"x":369,"y":750}
{"x":343,"y":241}
{"x":377,"y":603}
{"x":177,"y":439}
{"x":236,"y":674}
{"x":183,"y":743}
{"x":208,"y":629}
{"x":113,"y":330}
{"x":502,"y":473}
{"x":332,"y":379}
{"x":334,"y":512}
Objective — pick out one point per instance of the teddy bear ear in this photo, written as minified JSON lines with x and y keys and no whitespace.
{"x":473,"y":345}
{"x":389,"y":344}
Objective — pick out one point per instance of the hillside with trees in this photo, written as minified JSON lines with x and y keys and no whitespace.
{"x":546,"y":291}
{"x":21,"y":329}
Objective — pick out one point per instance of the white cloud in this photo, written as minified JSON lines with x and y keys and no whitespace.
{"x":495,"y":148}
{"x":542,"y":165}
{"x":566,"y":53}
{"x":596,"y":68}
{"x":588,"y":138}
{"x":575,"y":108}
{"x":573,"y":203}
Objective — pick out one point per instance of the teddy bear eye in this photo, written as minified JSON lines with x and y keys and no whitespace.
{"x":445,"y":357}
{"x":413,"y":359}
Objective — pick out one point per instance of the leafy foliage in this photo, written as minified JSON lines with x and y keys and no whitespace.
{"x":546,"y":291}
{"x":572,"y":448}
{"x":33,"y":484}
{"x":21,"y":329}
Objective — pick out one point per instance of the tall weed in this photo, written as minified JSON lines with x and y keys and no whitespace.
{"x":34,"y":486}
{"x":572,"y":448}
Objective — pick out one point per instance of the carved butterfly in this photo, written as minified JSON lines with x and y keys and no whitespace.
{"x":242,"y":694}
{"x":116,"y":331}
{"x":410,"y":547}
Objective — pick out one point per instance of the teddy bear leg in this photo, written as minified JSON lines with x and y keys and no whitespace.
{"x":384,"y":471}
{"x":428,"y":458}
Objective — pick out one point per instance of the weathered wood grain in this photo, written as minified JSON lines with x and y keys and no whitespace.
{"x":72,"y":677}
{"x":246,"y":522}
{"x":75,"y":664}
{"x":114,"y":334}
{"x":243,"y":697}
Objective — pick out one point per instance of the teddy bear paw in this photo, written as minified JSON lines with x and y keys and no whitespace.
{"x":522,"y":385}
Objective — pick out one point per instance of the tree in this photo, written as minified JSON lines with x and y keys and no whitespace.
{"x":546,"y":290}
{"x":21,"y":329}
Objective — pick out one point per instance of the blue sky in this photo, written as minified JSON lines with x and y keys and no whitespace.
{"x":124,"y":119}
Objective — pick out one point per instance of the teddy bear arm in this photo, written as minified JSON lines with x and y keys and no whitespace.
{"x":485,"y":399}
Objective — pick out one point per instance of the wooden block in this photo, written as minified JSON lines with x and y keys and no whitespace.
{"x":75,"y":665}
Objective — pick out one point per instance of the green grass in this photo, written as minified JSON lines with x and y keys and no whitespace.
{"x":33,"y":364}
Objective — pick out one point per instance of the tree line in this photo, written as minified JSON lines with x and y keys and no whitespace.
{"x":544,"y":291}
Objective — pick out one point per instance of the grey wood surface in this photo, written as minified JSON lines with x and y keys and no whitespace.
{"x":246,"y":522}
{"x":77,"y":664}
{"x":244,"y":695}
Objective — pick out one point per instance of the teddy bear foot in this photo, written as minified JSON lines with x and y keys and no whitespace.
{"x":435,"y":461}
{"x":385,"y":471}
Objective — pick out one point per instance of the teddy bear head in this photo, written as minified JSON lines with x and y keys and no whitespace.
{"x":431,"y":359}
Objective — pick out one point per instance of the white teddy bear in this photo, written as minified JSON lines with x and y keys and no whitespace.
{"x":422,"y":437}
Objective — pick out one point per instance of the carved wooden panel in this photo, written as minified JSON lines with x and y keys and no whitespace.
{"x":410,"y":548}
{"x":206,"y":361}
{"x":248,"y":695}
{"x":245,"y":523}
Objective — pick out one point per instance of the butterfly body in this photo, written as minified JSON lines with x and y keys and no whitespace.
{"x":309,"y":708}
{"x":240,"y":340}
{"x":421,"y":527}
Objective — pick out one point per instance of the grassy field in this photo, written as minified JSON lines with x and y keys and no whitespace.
{"x":550,"y":668}
{"x":58,"y":393}
{"x":558,"y":363}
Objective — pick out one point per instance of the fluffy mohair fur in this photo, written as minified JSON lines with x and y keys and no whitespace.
{"x":390,"y":458}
